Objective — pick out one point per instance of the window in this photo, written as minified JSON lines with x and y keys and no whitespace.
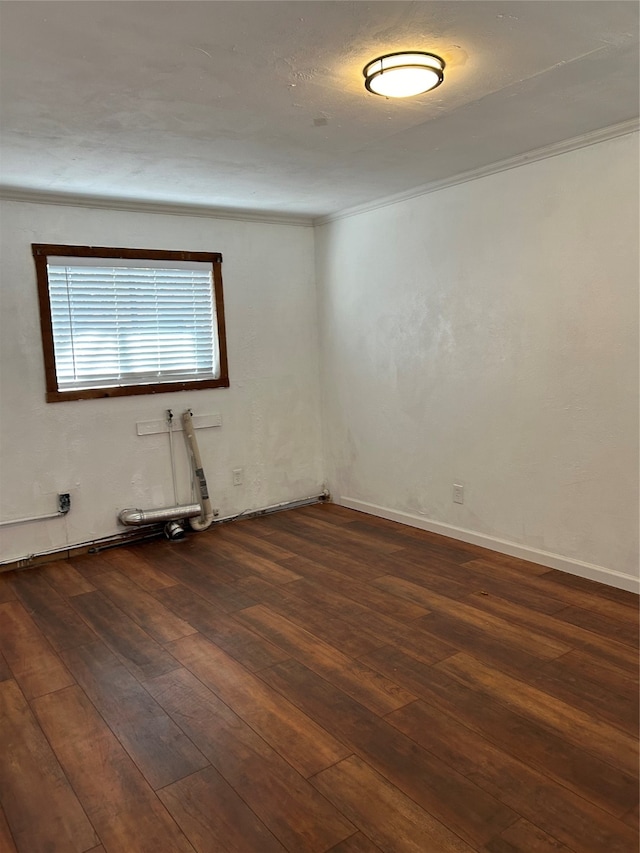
{"x":129,"y":321}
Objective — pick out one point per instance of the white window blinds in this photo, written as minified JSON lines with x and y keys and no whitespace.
{"x":130,"y":322}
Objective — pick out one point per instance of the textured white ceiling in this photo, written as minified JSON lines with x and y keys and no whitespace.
{"x":261,"y":105}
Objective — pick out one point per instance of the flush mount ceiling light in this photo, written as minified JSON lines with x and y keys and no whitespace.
{"x":401,"y":75}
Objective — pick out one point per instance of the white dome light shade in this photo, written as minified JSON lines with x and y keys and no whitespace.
{"x":401,"y":75}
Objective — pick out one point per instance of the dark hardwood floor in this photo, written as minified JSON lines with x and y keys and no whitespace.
{"x":316,"y":680}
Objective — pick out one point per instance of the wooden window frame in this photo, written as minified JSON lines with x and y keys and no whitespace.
{"x":41,"y":251}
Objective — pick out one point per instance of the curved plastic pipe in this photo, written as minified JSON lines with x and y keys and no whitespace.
{"x":206,"y":514}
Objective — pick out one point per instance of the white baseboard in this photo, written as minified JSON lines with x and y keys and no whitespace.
{"x":543,"y":558}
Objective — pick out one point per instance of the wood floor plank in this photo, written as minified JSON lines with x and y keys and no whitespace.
{"x":436,"y":787}
{"x":228,"y":598}
{"x":632,"y":818}
{"x":302,"y":819}
{"x":353,"y":639}
{"x":604,"y":649}
{"x":581,"y":664}
{"x":214,"y":817}
{"x":546,"y":590}
{"x":176,"y":560}
{"x":384,"y":813}
{"x":406,"y":635}
{"x":302,"y":566}
{"x":5,"y":672}
{"x":332,"y":558}
{"x":7,"y":844}
{"x":456,"y":580}
{"x":458,"y":633}
{"x":519,"y":639}
{"x":34,"y":664}
{"x":560,"y":678}
{"x":7,"y":592}
{"x":60,"y":624}
{"x":402,"y":534}
{"x":337,"y":514}
{"x":622,"y":596}
{"x":134,"y":563}
{"x":523,"y":738}
{"x":524,"y":837}
{"x":257,"y":565}
{"x":354,"y":590}
{"x":423,"y":542}
{"x":121,"y":805}
{"x":90,"y":564}
{"x":66,"y":579}
{"x":259,"y":526}
{"x":576,"y":726}
{"x":296,"y":737}
{"x":514,"y":585}
{"x":145,"y":610}
{"x":608,"y":626}
{"x":136,"y":649}
{"x":356,"y":679}
{"x":326,"y":597}
{"x":248,"y":648}
{"x":321,"y":530}
{"x":42,"y":810}
{"x":381,"y":541}
{"x":441,"y":576}
{"x":225,"y":594}
{"x":454,"y":625}
{"x":159,"y":748}
{"x":200,"y":553}
{"x":549,"y":806}
{"x":357,"y":843}
{"x":422,"y":545}
{"x":242,"y":533}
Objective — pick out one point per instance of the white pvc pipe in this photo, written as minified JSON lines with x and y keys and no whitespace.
{"x":206,"y":516}
{"x":173,"y":459}
{"x":32,"y":518}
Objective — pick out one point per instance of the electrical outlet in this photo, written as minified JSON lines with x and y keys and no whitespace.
{"x":237,"y":476}
{"x":458,"y":493}
{"x":64,"y":503}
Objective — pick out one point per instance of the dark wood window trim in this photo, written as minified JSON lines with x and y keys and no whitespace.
{"x":41,"y":251}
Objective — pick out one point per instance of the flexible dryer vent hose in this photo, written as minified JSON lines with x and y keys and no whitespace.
{"x":154,"y":516}
{"x":203,"y":521}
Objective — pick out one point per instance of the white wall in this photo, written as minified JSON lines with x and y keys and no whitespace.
{"x":270,"y":414}
{"x":487,"y":334}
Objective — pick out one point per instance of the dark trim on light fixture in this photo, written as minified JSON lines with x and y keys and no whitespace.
{"x":377,"y":68}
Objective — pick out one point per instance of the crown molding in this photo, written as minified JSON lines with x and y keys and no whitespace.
{"x":553,"y":150}
{"x":27,"y":196}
